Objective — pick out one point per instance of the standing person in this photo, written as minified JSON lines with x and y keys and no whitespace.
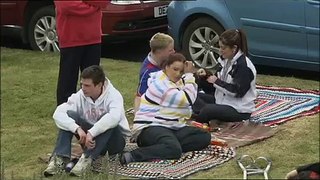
{"x":159,"y":125}
{"x":95,"y":115}
{"x":79,"y":34}
{"x":234,"y":84}
{"x":161,"y":45}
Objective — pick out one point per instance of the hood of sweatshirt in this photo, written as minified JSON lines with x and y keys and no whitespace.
{"x":105,"y":91}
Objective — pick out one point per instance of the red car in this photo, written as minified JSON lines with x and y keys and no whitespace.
{"x":34,"y":21}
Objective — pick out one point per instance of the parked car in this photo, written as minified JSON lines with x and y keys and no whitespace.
{"x":34,"y":21}
{"x":280,"y":33}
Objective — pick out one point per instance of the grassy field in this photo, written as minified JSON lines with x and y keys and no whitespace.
{"x":28,"y":84}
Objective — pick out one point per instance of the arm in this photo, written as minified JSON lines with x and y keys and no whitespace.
{"x":142,"y":88}
{"x":190,"y":88}
{"x":183,"y":97}
{"x":143,"y":84}
{"x":62,"y":120}
{"x":77,"y":8}
{"x":240,"y":85}
{"x":112,"y":118}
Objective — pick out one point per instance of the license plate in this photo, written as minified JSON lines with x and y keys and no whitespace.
{"x":160,"y":11}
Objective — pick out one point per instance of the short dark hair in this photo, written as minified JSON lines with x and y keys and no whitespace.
{"x":173,"y":58}
{"x":95,"y":73}
{"x":236,"y":37}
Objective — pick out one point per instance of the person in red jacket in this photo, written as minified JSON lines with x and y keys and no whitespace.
{"x":79,"y":32}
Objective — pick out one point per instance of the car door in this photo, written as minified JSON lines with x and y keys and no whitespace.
{"x":275,"y":28}
{"x":8,"y":12}
{"x":312,"y":29}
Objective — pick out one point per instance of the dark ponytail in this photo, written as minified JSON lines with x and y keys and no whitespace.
{"x":244,"y":44}
{"x":234,"y":37}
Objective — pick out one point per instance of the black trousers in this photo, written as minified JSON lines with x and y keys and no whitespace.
{"x":72,"y":60}
{"x":206,"y":110}
{"x":158,"y":142}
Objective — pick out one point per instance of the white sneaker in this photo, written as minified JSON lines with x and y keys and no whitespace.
{"x":82,"y":165}
{"x":55,"y":166}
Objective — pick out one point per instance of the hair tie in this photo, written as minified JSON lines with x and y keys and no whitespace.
{"x":237,"y":30}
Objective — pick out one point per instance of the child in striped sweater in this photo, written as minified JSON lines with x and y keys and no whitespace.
{"x":159,"y":124}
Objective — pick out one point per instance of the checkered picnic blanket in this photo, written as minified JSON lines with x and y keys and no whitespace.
{"x":189,"y":163}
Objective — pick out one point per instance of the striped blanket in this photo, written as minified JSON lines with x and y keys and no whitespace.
{"x":276,"y":105}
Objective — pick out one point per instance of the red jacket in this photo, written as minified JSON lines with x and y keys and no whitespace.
{"x":78,"y":23}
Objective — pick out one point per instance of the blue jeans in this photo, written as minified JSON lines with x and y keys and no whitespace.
{"x":111,"y":140}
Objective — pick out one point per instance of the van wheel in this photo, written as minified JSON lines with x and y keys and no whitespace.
{"x":200,"y":42}
{"x":42,"y":30}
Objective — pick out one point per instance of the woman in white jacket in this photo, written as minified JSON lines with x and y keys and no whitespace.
{"x":234,"y":83}
{"x":95,"y":115}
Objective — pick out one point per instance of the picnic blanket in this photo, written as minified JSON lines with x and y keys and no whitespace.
{"x":189,"y":163}
{"x":238,"y":134}
{"x":276,"y":105}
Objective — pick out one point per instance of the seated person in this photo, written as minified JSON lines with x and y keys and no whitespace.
{"x":309,"y":171}
{"x":233,"y":85}
{"x":95,"y":115}
{"x":161,"y":45}
{"x":159,"y":125}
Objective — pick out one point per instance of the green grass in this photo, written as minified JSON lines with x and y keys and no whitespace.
{"x":28,"y":86}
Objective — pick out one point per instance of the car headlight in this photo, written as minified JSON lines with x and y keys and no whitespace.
{"x":125,"y":2}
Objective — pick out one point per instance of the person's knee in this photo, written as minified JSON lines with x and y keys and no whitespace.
{"x":116,"y":141}
{"x":174,"y":151}
{"x":203,"y":115}
{"x":116,"y":148}
{"x":202,"y":140}
{"x":206,"y":139}
{"x":207,"y":113}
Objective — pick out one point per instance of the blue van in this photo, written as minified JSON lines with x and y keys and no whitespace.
{"x":282,"y":33}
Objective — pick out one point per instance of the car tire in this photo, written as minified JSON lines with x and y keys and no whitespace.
{"x":42,"y":30}
{"x":202,"y":48}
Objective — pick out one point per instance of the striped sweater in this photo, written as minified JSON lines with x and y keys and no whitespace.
{"x":165,"y":103}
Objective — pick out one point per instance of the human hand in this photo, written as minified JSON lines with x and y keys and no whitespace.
{"x":201,"y":72}
{"x":90,"y":143}
{"x":291,"y":174}
{"x":82,"y":135}
{"x":212,"y":79}
{"x":189,"y":67}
